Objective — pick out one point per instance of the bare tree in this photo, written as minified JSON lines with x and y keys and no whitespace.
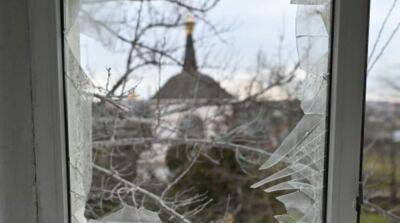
{"x":148,"y":153}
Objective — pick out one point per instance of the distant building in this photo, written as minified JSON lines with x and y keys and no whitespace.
{"x":190,"y":83}
{"x":198,"y":98}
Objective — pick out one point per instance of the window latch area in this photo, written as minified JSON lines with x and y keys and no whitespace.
{"x":360,"y":197}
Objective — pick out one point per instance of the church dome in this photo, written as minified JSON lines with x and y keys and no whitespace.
{"x":190,"y":83}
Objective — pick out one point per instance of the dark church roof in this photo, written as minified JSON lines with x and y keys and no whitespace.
{"x":188,"y":86}
{"x":190,"y":83}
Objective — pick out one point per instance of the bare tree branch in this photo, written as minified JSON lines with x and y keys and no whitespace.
{"x":161,"y":203}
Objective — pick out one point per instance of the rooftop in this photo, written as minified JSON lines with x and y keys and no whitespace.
{"x":190,"y":83}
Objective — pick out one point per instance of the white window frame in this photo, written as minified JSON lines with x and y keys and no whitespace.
{"x":347,"y":101}
{"x":349,"y":53}
{"x":49,"y":111}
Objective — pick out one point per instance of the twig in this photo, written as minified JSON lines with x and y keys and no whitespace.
{"x":394,"y":32}
{"x":140,"y":141}
{"x":383,"y":25}
{"x":161,"y":203}
{"x":169,"y":186}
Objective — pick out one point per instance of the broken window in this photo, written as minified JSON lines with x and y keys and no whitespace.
{"x":197,"y":111}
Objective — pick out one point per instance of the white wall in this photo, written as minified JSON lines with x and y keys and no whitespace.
{"x":17,"y":158}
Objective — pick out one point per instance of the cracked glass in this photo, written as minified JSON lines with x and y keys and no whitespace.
{"x":381,"y":154}
{"x":197,"y":111}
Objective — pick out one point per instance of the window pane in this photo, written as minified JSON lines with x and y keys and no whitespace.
{"x":381,"y":166}
{"x":197,"y":111}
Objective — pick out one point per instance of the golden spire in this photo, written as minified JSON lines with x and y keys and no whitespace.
{"x":132,"y":96}
{"x":189,"y":61}
{"x":189,"y":24}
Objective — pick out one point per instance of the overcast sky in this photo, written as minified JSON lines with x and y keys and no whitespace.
{"x":388,"y":66}
{"x":256,"y":24}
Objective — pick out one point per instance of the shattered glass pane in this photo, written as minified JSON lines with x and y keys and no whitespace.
{"x":303,"y":151}
{"x":130,"y":215}
{"x":313,"y":47}
{"x":79,"y":108}
{"x":169,"y":123}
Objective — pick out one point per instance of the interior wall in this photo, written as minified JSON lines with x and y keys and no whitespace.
{"x":17,"y":158}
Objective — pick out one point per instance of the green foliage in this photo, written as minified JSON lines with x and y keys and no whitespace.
{"x":378,"y":167}
{"x":372,"y":218}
